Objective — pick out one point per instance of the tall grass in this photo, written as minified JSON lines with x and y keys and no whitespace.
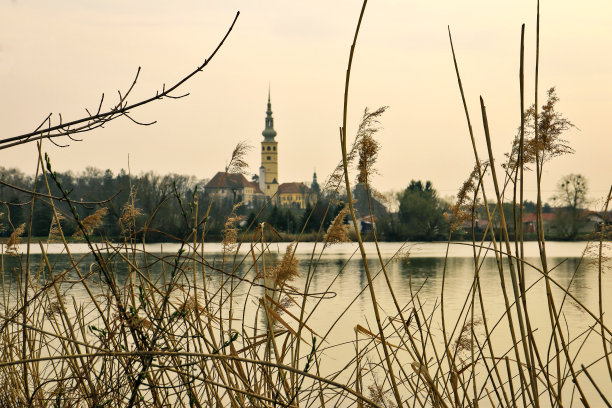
{"x":239,"y":332}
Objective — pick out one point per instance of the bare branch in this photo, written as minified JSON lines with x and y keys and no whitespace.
{"x":139,"y":123}
{"x":177,"y":97}
{"x":92,"y":121}
{"x":44,"y":121}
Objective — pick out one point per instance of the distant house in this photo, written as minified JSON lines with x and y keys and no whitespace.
{"x":293,"y":195}
{"x":594,"y":221}
{"x":235,"y":186}
{"x":480,"y":224}
{"x":365,"y":224}
{"x":530,"y":222}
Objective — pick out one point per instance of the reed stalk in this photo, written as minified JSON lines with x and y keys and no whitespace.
{"x":123,"y":325}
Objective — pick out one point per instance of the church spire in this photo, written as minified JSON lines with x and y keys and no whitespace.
{"x":314,"y":187}
{"x":269,"y":133}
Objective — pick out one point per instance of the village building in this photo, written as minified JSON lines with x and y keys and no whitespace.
{"x":234,"y":186}
{"x":291,"y":194}
{"x":595,"y":220}
{"x":588,"y":221}
{"x":530,"y":222}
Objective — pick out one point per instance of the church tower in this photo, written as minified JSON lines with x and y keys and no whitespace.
{"x":268,"y":172}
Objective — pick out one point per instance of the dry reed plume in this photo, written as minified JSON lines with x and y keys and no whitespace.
{"x":56,"y":227}
{"x":338,"y":231}
{"x":403,"y":254}
{"x":238,"y":163}
{"x":364,"y":147}
{"x":376,"y":393}
{"x":367,"y":146}
{"x":183,"y":328}
{"x":91,"y":222}
{"x":466,"y":201}
{"x":230,"y":230}
{"x":14,"y":239}
{"x":286,"y":270}
{"x":129,"y":213}
{"x":547,"y":144}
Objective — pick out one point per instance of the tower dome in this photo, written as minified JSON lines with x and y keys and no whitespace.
{"x":269,"y":133}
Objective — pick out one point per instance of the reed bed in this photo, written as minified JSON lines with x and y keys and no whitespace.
{"x":238,"y":331}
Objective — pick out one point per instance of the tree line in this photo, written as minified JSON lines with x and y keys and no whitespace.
{"x":164,"y":205}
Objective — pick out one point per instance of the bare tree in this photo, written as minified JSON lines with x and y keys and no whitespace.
{"x":571,"y":198}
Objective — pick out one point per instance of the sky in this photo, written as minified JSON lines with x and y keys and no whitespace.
{"x":59,"y":57}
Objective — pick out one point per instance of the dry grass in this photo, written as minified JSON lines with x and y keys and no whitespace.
{"x":203,"y":333}
{"x":190,"y":342}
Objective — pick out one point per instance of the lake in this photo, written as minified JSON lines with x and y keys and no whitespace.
{"x":339,"y":277}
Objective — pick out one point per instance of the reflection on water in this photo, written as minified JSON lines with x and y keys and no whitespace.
{"x":340,"y":270}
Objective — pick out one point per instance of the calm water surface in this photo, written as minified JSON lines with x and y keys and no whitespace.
{"x":340,"y":272}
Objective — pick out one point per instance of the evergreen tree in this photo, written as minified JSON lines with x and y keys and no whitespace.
{"x":304,"y":220}
{"x":421,"y":212}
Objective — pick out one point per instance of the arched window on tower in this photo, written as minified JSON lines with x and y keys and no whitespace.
{"x":274,"y":148}
{"x":268,"y":147}
{"x":268,"y":157}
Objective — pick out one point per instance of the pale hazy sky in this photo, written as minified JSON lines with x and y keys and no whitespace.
{"x":60,"y":56}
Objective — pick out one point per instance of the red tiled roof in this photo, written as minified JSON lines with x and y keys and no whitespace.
{"x":600,"y":215}
{"x":227,"y":180}
{"x":531,"y":217}
{"x":292,"y":188}
{"x":255,"y":187}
